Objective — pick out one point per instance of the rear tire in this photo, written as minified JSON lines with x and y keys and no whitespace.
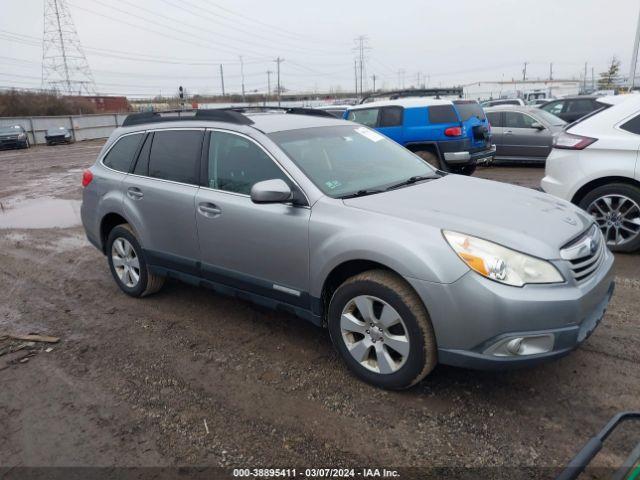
{"x":128,"y":264}
{"x":616,"y":209}
{"x":382,"y":330}
{"x":431,"y":158}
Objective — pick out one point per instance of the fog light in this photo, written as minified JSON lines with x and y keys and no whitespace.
{"x":522,"y":346}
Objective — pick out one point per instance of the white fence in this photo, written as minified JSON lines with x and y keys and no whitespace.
{"x":82,"y":127}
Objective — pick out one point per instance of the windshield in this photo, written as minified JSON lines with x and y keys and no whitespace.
{"x":467,"y":110}
{"x":550,"y":118}
{"x":347,"y":159}
{"x":14,"y":130}
{"x":57,"y":131}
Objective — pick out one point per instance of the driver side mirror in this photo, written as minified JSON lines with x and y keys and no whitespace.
{"x":271,"y":191}
{"x":537,"y":126}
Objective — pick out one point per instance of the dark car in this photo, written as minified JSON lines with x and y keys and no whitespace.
{"x":522,"y":134}
{"x":55,"y":136}
{"x":13,"y":137}
{"x":571,"y":109}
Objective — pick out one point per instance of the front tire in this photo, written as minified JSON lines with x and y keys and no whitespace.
{"x":382,"y":330}
{"x":128,"y":264}
{"x":616,"y":209}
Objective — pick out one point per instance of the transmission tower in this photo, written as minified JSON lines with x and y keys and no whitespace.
{"x":64,"y":64}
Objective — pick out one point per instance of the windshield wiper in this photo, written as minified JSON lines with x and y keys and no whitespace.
{"x":361,"y":193}
{"x":412,"y":180}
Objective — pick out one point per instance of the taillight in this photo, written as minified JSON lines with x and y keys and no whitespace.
{"x":87,"y":176}
{"x":453,"y":131}
{"x":570,"y":141}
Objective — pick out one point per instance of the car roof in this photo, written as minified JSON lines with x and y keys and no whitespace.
{"x":278,"y":122}
{"x":616,"y":99}
{"x":407,"y":102}
{"x":511,"y":108}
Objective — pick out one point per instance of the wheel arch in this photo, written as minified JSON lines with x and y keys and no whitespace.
{"x":428,"y":146}
{"x":108,"y":223}
{"x":599,"y":182}
{"x":343,"y":271}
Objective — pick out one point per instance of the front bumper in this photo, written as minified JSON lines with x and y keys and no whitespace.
{"x":470,"y":158}
{"x":473,"y":314}
{"x":12,"y":143}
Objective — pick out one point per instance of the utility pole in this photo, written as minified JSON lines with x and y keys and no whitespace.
{"x":355,"y":70}
{"x":278,"y":62}
{"x":634,"y":57}
{"x":242,"y":76}
{"x":222,"y":79}
{"x":524,"y":72}
{"x":584,"y":83}
{"x":373,"y":77}
{"x":551,"y":71}
{"x":593,"y":80}
{"x":269,"y":72}
{"x":360,"y":48}
{"x":401,"y":73}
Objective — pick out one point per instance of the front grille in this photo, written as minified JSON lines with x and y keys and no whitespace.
{"x":585,"y":254}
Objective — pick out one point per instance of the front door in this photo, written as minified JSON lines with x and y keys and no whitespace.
{"x":522,"y":140}
{"x":262,"y":249}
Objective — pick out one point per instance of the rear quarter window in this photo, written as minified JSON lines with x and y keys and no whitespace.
{"x":468,"y":110}
{"x":632,"y":125}
{"x":121,"y":154}
{"x":442,"y":114}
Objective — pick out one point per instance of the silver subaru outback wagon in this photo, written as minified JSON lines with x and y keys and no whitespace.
{"x":407,"y":266}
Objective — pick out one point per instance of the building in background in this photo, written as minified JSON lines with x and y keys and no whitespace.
{"x":106,"y":104}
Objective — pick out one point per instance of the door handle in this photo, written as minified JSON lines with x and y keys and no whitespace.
{"x":209,"y":209}
{"x":135,"y":193}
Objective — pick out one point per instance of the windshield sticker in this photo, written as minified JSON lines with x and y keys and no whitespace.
{"x":333,"y":184}
{"x":370,"y":134}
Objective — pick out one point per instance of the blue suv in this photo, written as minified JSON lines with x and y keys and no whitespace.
{"x":451,"y":135}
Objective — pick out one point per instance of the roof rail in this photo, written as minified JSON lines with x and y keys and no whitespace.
{"x":216,"y":115}
{"x":416,"y":92}
{"x":292,"y":110}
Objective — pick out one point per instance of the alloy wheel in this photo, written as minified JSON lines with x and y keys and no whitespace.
{"x":125,"y":262}
{"x":618,"y":217}
{"x":375,"y":334}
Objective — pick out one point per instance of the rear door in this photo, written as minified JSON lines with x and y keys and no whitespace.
{"x":496,"y":121}
{"x":159,"y":197}
{"x":521,"y":140}
{"x":259,"y":248}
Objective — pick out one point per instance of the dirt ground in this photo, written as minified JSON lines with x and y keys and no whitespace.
{"x":189,"y":378}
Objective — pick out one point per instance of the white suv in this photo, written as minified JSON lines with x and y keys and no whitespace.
{"x":594,"y":164}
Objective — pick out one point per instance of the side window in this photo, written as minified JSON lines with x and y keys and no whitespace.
{"x":175,"y":155}
{"x":391,"y":116}
{"x":554,"y":107}
{"x":580,"y":105}
{"x":517,"y":120}
{"x":122,"y":153}
{"x":632,"y":125}
{"x":236,"y":164}
{"x":495,"y":118}
{"x":442,"y":114}
{"x":142,"y":165}
{"x":367,"y":116}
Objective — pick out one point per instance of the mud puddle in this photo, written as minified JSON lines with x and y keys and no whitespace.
{"x":43,"y":212}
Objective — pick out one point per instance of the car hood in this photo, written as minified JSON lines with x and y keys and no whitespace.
{"x":520,"y":218}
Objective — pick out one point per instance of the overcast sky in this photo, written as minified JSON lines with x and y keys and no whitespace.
{"x":146,"y":47}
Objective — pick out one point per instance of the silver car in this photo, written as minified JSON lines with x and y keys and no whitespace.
{"x":523,"y":134}
{"x":329,"y":220}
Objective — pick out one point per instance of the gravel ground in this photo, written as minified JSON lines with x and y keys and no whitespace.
{"x":190,"y":378}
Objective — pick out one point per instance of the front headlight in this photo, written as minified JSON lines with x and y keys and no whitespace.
{"x":500,"y":263}
{"x":22,"y":135}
